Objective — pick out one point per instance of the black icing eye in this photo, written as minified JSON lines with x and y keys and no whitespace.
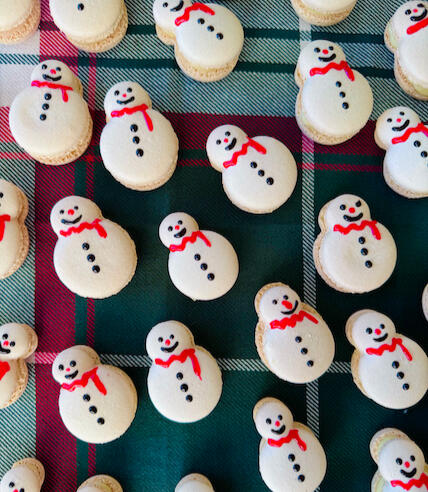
{"x":58,"y":69}
{"x":358,"y":204}
{"x":61,"y":367}
{"x":268,"y":421}
{"x":160,"y":339}
{"x":280,"y":417}
{"x":12,"y":344}
{"x":218,"y":142}
{"x":129,"y":89}
{"x":382,"y":326}
{"x":389,"y":120}
{"x":227,"y":134}
{"x":274,"y":301}
{"x":44,"y":66}
{"x":170,"y":228}
{"x":331,"y":48}
{"x":421,"y":5}
{"x":180,"y":222}
{"x":412,"y":458}
{"x":171,"y":337}
{"x":399,"y":461}
{"x":317,"y":50}
{"x":342,"y":207}
{"x":1,"y":194}
{"x":408,"y":12}
{"x":165,"y":5}
{"x":369,"y":331}
{"x":61,"y":212}
{"x":12,"y":484}
{"x":402,"y":113}
{"x":73,"y":363}
{"x":22,"y":490}
{"x":76,"y":208}
{"x":285,"y":297}
{"x":116,"y":93}
{"x":5,"y":336}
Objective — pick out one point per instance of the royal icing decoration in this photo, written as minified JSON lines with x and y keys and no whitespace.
{"x":401,"y":133}
{"x":292,"y":339}
{"x":259,"y":174}
{"x":17,"y":342}
{"x":97,"y":403}
{"x":138,"y":144}
{"x":26,"y":475}
{"x":14,"y":240}
{"x":334,"y":101}
{"x":202,"y":264}
{"x":93,"y":256}
{"x":291,"y":459}
{"x":389,"y":368}
{"x":184,"y":381}
{"x":353,"y":253}
{"x":400,"y":460}
{"x":50,"y":120}
{"x":208,"y":38}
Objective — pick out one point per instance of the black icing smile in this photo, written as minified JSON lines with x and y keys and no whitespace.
{"x":279,"y":431}
{"x":5,"y":351}
{"x":177,"y":7}
{"x":53,"y":79}
{"x":417,"y":18}
{"x":348,"y":218}
{"x":126,"y":101}
{"x":402,"y":127}
{"x":410,"y":474}
{"x":170,"y":349}
{"x":75,"y":221}
{"x":181,"y":233}
{"x":231,"y":145}
{"x":291,"y":310}
{"x":382,"y":338}
{"x":327,"y":58}
{"x":72,"y":375}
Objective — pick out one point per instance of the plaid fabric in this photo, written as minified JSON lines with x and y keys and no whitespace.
{"x":259,"y":96}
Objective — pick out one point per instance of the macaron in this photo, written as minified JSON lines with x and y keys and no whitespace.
{"x":100,"y":483}
{"x":19,"y":20}
{"x":323,"y":12}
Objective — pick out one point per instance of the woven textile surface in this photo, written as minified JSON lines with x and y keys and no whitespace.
{"x":259,"y":96}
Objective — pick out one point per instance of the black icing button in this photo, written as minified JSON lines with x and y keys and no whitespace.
{"x":48,"y":96}
{"x":298,"y":339}
{"x":291,"y":457}
{"x":197,"y":257}
{"x":310,"y":363}
{"x":101,"y":421}
{"x":86,"y":397}
{"x":269,"y":181}
{"x":201,"y":21}
{"x":189,"y":398}
{"x":43,"y":117}
{"x":80,"y":6}
{"x":140,"y":152}
{"x":261,"y":172}
{"x":304,"y":351}
{"x":96,"y":269}
{"x":368,"y":264}
{"x":395,"y":364}
{"x":136,"y":140}
{"x":400,"y":375}
{"x":210,"y":276}
{"x":301,"y":478}
{"x":364,"y":251}
{"x":85,"y":246}
{"x":406,"y":386}
{"x":338,"y":84}
{"x":133,"y":128}
{"x":424,"y":153}
{"x":210,"y":28}
{"x":361,"y":240}
{"x":253,"y":164}
{"x":45,"y":106}
{"x":345,"y":105}
{"x":416,"y":143}
{"x":184,"y":387}
{"x":296,"y":467}
{"x":91,"y":258}
{"x":204,"y":266}
{"x":179,"y":376}
{"x":93,"y":409}
{"x":342,"y":94}
{"x":219,"y":35}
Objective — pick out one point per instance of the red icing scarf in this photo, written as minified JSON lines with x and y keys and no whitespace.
{"x":396,"y":342}
{"x":419,"y":128}
{"x":414,"y":482}
{"x":63,"y":88}
{"x":196,"y":6}
{"x":142,"y":107}
{"x":292,"y":320}
{"x":188,"y":353}
{"x":333,"y":66}
{"x":418,"y":26}
{"x":190,"y":239}
{"x":250,"y":143}
{"x":3,"y":219}
{"x":4,"y":369}
{"x":293,"y":434}
{"x":84,"y":380}
{"x":359,"y":227}
{"x":86,"y":226}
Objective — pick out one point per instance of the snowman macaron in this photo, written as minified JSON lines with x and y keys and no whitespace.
{"x":50,"y":120}
{"x":26,"y":475}
{"x":184,"y":381}
{"x":138,"y":145}
{"x":14,"y":239}
{"x":202,"y":264}
{"x":18,"y":20}
{"x":291,"y":459}
{"x":334,"y":101}
{"x":323,"y":12}
{"x":93,"y":257}
{"x":97,"y":402}
{"x":17,"y":343}
{"x":207,"y":37}
{"x":401,"y":133}
{"x":401,"y":463}
{"x":406,"y":35}
{"x":400,"y":364}
{"x":194,"y":483}
{"x":292,"y":339}
{"x":91,"y":25}
{"x":425,"y":301}
{"x":100,"y":483}
{"x":353,"y":253}
{"x":259,"y":174}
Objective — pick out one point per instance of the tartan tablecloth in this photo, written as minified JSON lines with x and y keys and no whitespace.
{"x":259,"y":96}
